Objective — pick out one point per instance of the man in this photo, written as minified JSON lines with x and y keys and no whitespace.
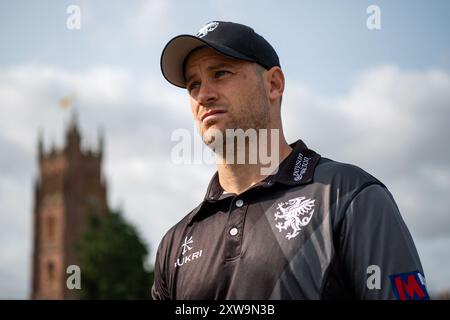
{"x":310,"y":228}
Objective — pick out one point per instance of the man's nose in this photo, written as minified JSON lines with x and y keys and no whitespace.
{"x":207,"y":94}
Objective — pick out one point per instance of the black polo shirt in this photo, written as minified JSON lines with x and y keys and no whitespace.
{"x":317,"y":229}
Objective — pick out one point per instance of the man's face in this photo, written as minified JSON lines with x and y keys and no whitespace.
{"x":225,"y":93}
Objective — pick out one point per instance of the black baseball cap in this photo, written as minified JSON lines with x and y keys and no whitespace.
{"x":231,"y":39}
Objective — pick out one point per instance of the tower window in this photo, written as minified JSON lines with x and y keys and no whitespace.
{"x":51,"y":228}
{"x":51,"y":271}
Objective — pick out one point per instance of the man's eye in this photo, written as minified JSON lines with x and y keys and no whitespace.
{"x":193,"y":86}
{"x":221,"y":73}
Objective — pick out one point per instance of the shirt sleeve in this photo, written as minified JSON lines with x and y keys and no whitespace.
{"x":377,"y":250}
{"x":159,"y":289}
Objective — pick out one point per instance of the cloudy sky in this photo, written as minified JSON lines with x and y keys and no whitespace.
{"x":379,"y":99}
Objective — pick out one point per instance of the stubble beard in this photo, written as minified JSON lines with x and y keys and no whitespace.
{"x":253,"y":115}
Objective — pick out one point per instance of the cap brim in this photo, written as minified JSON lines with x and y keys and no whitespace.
{"x":178,"y":48}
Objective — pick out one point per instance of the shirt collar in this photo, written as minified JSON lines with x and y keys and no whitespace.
{"x":296,"y":169}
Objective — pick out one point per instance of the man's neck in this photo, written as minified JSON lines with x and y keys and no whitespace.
{"x":236,"y":178}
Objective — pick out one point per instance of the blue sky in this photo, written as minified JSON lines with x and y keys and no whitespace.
{"x":322,"y":43}
{"x":379,"y":99}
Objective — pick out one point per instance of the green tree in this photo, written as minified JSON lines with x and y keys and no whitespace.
{"x":112,"y":258}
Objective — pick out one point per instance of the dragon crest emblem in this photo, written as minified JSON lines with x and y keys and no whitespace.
{"x":296,"y":212}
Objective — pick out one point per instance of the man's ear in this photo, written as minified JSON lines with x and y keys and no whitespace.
{"x":275,"y":78}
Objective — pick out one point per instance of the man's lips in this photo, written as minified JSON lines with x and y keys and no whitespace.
{"x":210,"y":113}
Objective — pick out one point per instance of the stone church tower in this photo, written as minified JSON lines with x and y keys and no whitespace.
{"x":69,"y":187}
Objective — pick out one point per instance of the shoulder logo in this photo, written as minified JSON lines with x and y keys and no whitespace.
{"x":296,"y":212}
{"x":187,"y":246}
{"x":409,"y":286}
{"x":207,"y":28}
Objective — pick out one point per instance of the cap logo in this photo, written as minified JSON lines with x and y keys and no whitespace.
{"x":207,"y":28}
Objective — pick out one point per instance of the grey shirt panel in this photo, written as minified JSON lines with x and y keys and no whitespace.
{"x":375,"y":236}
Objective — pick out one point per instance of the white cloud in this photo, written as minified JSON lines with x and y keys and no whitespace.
{"x":392,"y":123}
{"x":435,"y":257}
